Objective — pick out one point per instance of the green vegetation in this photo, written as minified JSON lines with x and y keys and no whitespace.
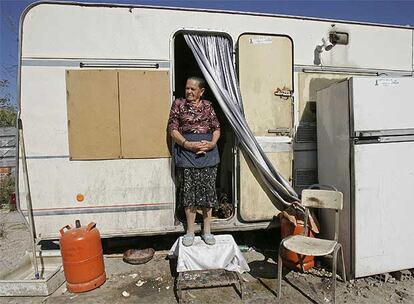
{"x":6,"y":189}
{"x":7,"y":119}
{"x":7,"y":108}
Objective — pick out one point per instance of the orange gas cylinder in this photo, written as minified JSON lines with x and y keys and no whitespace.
{"x":291,"y":259}
{"x":82,"y":257}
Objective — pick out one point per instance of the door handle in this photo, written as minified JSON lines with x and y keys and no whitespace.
{"x":283,"y":93}
{"x":281,"y":131}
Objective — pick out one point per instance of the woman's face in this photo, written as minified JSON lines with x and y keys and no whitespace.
{"x":193,"y":92}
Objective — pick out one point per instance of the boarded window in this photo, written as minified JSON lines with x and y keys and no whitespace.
{"x":93,"y":114}
{"x":144,"y":107}
{"x":117,"y":114}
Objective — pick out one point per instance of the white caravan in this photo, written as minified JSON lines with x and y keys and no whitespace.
{"x":97,"y":82}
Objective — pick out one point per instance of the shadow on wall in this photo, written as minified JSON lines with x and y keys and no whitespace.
{"x":310,"y":104}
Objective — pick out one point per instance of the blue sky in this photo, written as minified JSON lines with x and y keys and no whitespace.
{"x":388,"y":12}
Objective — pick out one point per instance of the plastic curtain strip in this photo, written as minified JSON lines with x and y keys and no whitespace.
{"x":214,"y":57}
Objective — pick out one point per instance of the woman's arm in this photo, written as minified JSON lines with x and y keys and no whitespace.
{"x":216,"y":136}
{"x":178,"y":138}
{"x":209,"y":145}
{"x":194,"y":146}
{"x":214,"y":125}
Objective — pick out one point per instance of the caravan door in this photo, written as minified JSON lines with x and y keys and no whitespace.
{"x":265,"y":64}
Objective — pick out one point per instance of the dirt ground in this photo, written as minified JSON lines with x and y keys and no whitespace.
{"x":154,"y":282}
{"x":14,"y":240}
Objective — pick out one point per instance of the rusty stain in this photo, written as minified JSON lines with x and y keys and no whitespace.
{"x":314,"y":199}
{"x":316,"y":202}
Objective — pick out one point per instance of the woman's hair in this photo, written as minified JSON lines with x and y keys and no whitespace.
{"x":201,"y":81}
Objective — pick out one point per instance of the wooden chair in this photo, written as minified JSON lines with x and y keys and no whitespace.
{"x":303,"y":245}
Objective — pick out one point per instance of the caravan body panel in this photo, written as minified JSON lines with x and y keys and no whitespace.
{"x":110,"y":32}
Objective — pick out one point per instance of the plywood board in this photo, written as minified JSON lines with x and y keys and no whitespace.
{"x":265,"y":64}
{"x":257,"y":203}
{"x":93,"y":114}
{"x":144,"y":109}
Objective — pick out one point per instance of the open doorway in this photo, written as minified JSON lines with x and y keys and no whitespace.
{"x":185,"y":66}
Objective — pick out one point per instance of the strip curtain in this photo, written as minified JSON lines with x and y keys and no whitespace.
{"x":214,"y":57}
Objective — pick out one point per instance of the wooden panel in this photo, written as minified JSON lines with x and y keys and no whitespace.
{"x":93,"y":114}
{"x":265,"y":64}
{"x":257,"y":203}
{"x":144,"y":109}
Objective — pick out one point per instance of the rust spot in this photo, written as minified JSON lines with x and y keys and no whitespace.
{"x":314,"y":199}
{"x":315,"y":202}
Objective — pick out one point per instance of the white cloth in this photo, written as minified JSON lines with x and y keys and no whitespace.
{"x":223,"y":255}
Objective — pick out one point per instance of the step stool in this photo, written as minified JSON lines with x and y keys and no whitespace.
{"x":197,"y":279}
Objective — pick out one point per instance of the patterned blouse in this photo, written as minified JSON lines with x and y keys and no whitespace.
{"x":187,"y":118}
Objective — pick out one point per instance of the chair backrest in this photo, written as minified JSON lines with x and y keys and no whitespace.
{"x":322,"y":199}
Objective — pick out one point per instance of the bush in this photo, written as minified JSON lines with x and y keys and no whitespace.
{"x":6,"y":189}
{"x":7,"y":118}
{"x":8,"y":110}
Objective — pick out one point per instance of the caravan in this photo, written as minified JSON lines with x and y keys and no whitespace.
{"x":97,"y":82}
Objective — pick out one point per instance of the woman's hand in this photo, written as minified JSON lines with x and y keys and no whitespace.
{"x":207,"y":145}
{"x":194,"y":146}
{"x":199,"y":147}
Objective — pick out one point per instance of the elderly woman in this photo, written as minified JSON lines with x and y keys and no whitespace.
{"x":194,"y":127}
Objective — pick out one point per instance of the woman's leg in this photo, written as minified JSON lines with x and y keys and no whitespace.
{"x":207,"y":236}
{"x":190,"y":214}
{"x":207,"y":220}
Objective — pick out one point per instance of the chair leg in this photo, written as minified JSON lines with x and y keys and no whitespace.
{"x":343,"y":264}
{"x":279,"y":272}
{"x":334,"y":263}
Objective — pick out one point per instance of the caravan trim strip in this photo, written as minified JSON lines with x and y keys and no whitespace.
{"x":101,"y":209}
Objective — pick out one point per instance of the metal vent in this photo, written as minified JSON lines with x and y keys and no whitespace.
{"x":306,"y":133}
{"x":305,"y":177}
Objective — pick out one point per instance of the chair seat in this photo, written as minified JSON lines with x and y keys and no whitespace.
{"x":309,"y":246}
